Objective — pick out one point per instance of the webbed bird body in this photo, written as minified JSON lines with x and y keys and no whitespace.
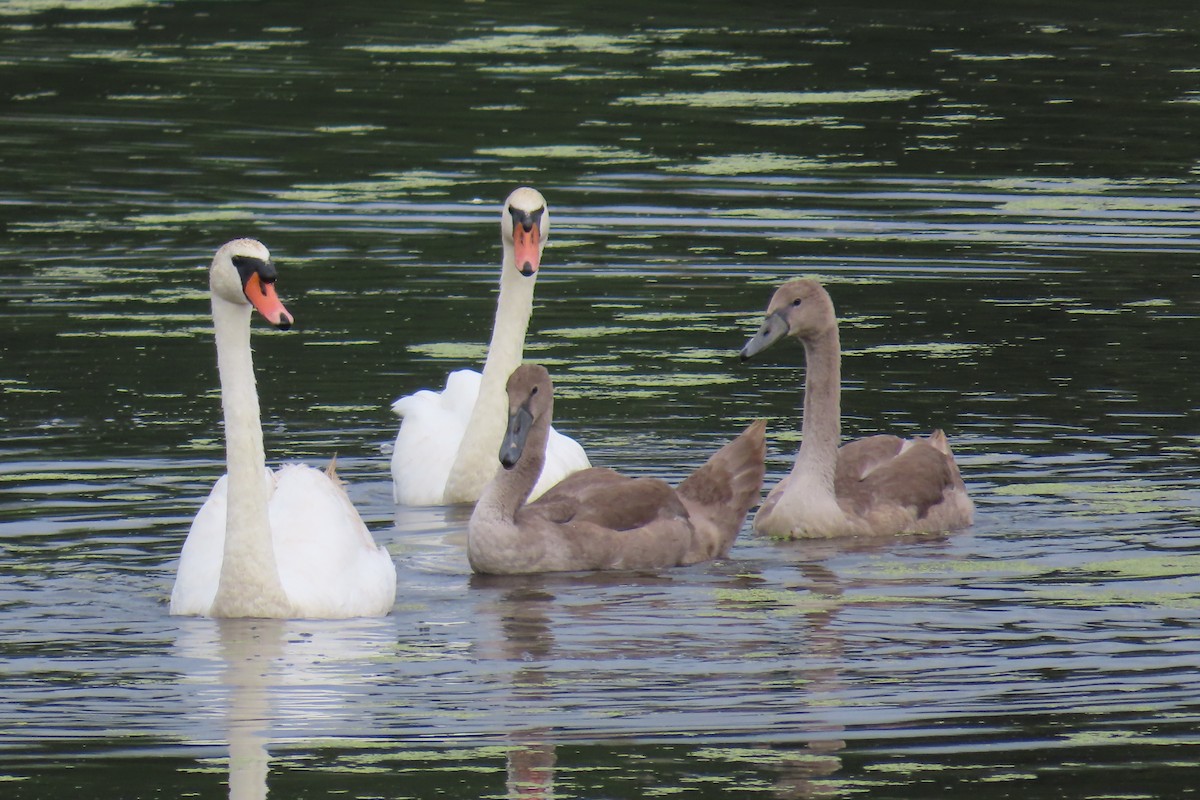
{"x":283,"y":543}
{"x":597,"y":519}
{"x":873,"y":486}
{"x":445,"y":451}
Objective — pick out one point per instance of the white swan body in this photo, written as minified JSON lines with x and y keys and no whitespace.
{"x":878,"y":485}
{"x":445,"y":451}
{"x":356,"y":579}
{"x":280,"y":544}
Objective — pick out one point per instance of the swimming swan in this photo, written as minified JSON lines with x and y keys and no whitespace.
{"x":270,"y":544}
{"x":873,"y":486}
{"x":595,"y":518}
{"x":445,"y":451}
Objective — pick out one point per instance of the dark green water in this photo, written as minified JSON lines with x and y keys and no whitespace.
{"x":1002,"y":201}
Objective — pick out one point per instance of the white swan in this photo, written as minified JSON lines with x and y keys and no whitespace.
{"x":270,"y":544}
{"x":878,"y":485}
{"x":446,"y":449}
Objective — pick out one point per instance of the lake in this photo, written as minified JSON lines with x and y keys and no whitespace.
{"x":1002,"y":202}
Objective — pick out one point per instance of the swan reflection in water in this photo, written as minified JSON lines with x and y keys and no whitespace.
{"x":251,"y":650}
{"x":549,"y":665}
{"x":269,"y":675}
{"x":527,"y":639}
{"x":525,"y":611}
{"x":810,"y":770}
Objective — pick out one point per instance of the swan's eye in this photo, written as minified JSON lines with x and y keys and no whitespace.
{"x":533,"y":391}
{"x":526,"y":220}
{"x":797,"y":301}
{"x":249,"y":265}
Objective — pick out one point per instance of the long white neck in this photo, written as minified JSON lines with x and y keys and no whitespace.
{"x":821,"y":429}
{"x":249,"y":585}
{"x":477,"y":460}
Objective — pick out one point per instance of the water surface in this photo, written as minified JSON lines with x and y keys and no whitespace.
{"x":1002,"y":203}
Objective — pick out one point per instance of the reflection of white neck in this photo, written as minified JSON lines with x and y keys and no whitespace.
{"x":476,"y":461}
{"x":251,"y":651}
{"x":249,"y":585}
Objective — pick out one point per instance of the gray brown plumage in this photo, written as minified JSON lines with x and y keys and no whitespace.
{"x":873,"y":486}
{"x":596,"y":518}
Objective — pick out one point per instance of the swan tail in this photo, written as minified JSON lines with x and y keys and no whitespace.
{"x":431,"y":430}
{"x":956,"y":492}
{"x":720,"y":494}
{"x":331,"y":472}
{"x":405,"y":405}
{"x":940,"y":442}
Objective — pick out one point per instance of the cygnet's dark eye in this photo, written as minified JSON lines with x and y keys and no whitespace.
{"x":533,"y":391}
{"x":797,"y":301}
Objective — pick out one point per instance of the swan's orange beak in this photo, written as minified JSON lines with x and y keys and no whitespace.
{"x":527,"y":248}
{"x":263,"y":297}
